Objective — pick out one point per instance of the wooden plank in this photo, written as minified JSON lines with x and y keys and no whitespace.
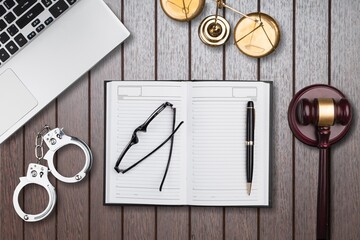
{"x":139,"y":54}
{"x":207,"y":223}
{"x":36,"y":198}
{"x":240,"y":221}
{"x":172,"y":223}
{"x":73,"y":199}
{"x":172,"y":47}
{"x":206,"y":64}
{"x":139,"y":63}
{"x":345,"y":74}
{"x":311,"y":66}
{"x":110,"y":217}
{"x":139,"y":223}
{"x":238,"y":66}
{"x":11,"y":168}
{"x":173,"y":63}
{"x":278,"y":67}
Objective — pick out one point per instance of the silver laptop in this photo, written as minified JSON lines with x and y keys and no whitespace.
{"x":45,"y":46}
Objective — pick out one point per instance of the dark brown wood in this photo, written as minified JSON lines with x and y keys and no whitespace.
{"x":11,"y":167}
{"x":36,"y":199}
{"x":172,"y":223}
{"x":73,"y":199}
{"x":105,"y":221}
{"x":241,"y":223}
{"x":207,"y":223}
{"x":139,"y":223}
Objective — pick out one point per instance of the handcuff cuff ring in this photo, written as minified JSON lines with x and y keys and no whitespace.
{"x":36,"y":174}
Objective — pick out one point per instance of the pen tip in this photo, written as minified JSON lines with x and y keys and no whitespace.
{"x":249,"y":188}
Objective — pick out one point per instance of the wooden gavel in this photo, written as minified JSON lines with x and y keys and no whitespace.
{"x":323,"y":113}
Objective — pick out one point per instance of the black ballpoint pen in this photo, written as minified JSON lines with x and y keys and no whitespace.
{"x":250,"y":126}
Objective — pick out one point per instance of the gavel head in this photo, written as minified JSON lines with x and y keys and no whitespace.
{"x":323,"y":112}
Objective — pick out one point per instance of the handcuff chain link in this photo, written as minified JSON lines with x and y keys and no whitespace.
{"x":39,"y":141}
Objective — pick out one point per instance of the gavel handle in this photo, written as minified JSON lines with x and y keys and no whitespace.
{"x":323,"y":209}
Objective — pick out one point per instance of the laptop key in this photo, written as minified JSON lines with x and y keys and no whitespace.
{"x":20,"y":40}
{"x":58,"y":8}
{"x":2,"y":10}
{"x":40,"y":28}
{"x":71,"y":2}
{"x":9,"y":4}
{"x":30,"y":15}
{"x":4,"y":55}
{"x":35,"y":23}
{"x":46,"y":2}
{"x":49,"y":20}
{"x":11,"y":47}
{"x":31,"y":35}
{"x":23,"y":6}
{"x":2,"y":25}
{"x":12,"y":30}
{"x":4,"y":37}
{"x":10,"y":17}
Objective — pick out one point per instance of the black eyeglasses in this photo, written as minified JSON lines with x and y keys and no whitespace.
{"x":142,"y":128}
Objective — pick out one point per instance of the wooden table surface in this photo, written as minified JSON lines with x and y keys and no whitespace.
{"x":320,"y":44}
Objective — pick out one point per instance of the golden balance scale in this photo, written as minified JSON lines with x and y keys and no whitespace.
{"x":256,"y":34}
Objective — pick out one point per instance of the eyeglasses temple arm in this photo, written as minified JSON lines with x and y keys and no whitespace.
{"x":121,"y":157}
{"x":162,"y":144}
{"x":170,"y":153}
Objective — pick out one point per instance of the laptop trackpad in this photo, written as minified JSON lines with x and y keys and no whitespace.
{"x":15,"y":100}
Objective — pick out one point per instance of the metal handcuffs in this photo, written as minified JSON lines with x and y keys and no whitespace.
{"x":38,"y":174}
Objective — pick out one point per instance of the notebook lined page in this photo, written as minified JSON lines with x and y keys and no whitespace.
{"x":217,"y":172}
{"x":129,"y":105}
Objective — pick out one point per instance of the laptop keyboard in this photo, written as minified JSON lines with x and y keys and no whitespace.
{"x":22,"y":20}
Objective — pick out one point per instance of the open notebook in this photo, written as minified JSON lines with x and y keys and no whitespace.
{"x":208,"y":164}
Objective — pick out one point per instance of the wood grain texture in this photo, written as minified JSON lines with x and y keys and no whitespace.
{"x":172,"y":48}
{"x":11,"y":167}
{"x":241,"y":223}
{"x":206,"y":62}
{"x":278,"y":68}
{"x":105,"y":221}
{"x":238,"y":66}
{"x":172,"y":223}
{"x":36,"y":199}
{"x":345,"y":72}
{"x":207,"y":223}
{"x":139,"y":53}
{"x":139,"y":223}
{"x":311,"y":66}
{"x":73,"y":199}
{"x":109,"y":216}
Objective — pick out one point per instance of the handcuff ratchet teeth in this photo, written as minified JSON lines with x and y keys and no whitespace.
{"x":55,"y":139}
